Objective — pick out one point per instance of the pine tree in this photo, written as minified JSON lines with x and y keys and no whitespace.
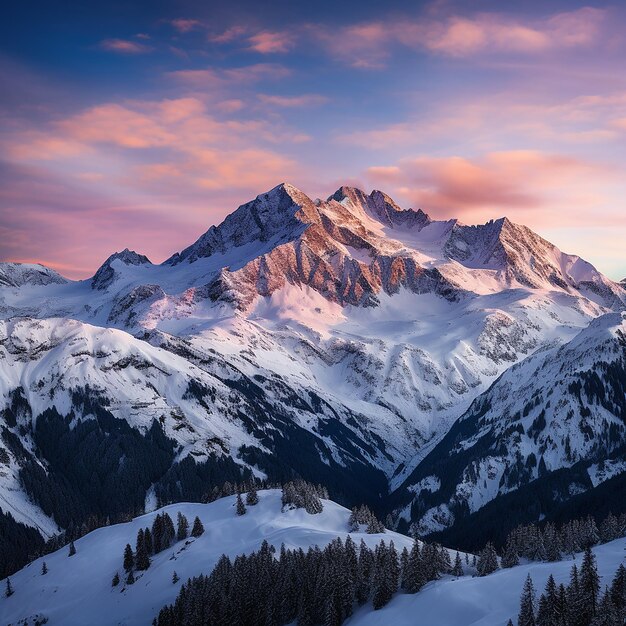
{"x":547,"y":614}
{"x":575,"y":608}
{"x":526,"y":615}
{"x":169,"y":532}
{"x":129,"y":559}
{"x":252,"y":497}
{"x":415,"y":578}
{"x":44,"y":569}
{"x":141,"y":555}
{"x":157,"y":534}
{"x":487,"y":560}
{"x":457,"y":570}
{"x":241,"y":507}
{"x":116,"y":580}
{"x":175,"y":578}
{"x":404,"y":562}
{"x":147,"y":538}
{"x":607,"y":613}
{"x":589,"y":585}
{"x":618,"y":592}
{"x":130,"y":579}
{"x":182,"y":527}
{"x":9,"y":589}
{"x":198,"y":528}
{"x":72,"y":550}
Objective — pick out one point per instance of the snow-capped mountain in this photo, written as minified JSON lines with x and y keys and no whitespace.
{"x":557,"y":418}
{"x":336,"y":339}
{"x":21,"y":274}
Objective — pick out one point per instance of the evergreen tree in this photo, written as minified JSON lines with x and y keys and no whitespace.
{"x":169,"y":532}
{"x":487,"y":560}
{"x":116,"y":580}
{"x":142,"y":560}
{"x":72,"y":550}
{"x":252,"y":497}
{"x":365,"y":569}
{"x":618,"y":592}
{"x":241,"y":507}
{"x":157,"y":534}
{"x":414,"y":578}
{"x":548,"y":613}
{"x":175,"y":578}
{"x":130,"y":579}
{"x":198,"y":528}
{"x":607,"y":613}
{"x":44,"y":569}
{"x":147,"y":538}
{"x":129,"y":559}
{"x":182,"y":530}
{"x":526,"y":615}
{"x":457,"y":570}
{"x":404,"y":562}
{"x":575,"y":608}
{"x":9,"y":589}
{"x":589,"y":585}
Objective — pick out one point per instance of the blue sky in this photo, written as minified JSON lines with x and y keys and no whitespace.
{"x":139,"y":125}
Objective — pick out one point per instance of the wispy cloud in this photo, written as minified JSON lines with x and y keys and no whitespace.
{"x":223,"y":77}
{"x":522,"y":184}
{"x":305,"y":100}
{"x":183,"y":25}
{"x":124,"y":46}
{"x":271,"y":42}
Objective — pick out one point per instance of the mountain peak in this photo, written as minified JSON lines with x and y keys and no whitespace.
{"x":380,"y":206}
{"x":18,"y":274}
{"x":276,"y":216}
{"x":106,"y":273}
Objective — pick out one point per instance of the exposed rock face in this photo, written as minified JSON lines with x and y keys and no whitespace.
{"x":353,"y":246}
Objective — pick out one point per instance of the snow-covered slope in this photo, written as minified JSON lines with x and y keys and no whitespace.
{"x":20,"y":274}
{"x":356,"y":327}
{"x":77,"y":590}
{"x":560,"y":408}
{"x":487,"y":601}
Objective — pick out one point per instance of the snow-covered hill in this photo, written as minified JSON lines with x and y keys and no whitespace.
{"x":77,"y":590}
{"x":486,"y":601}
{"x":334,"y":339}
{"x":562,"y":408}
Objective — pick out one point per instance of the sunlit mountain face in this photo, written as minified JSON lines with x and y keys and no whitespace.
{"x":312,"y":313}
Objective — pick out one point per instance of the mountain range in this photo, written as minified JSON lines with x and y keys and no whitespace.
{"x":434,"y":370}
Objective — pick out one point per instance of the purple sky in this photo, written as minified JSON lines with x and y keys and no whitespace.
{"x":141,"y":124}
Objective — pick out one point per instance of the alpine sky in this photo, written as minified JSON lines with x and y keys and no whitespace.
{"x":140,"y":124}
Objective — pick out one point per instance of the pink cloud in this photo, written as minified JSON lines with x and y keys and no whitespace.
{"x":270,"y":42}
{"x":183,"y":25}
{"x":124,"y":46}
{"x":214,"y":77}
{"x":293,"y":101}
{"x":229,"y":35}
{"x":516,"y":183}
{"x":369,"y":44}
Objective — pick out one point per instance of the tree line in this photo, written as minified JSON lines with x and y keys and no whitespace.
{"x":578,"y":603}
